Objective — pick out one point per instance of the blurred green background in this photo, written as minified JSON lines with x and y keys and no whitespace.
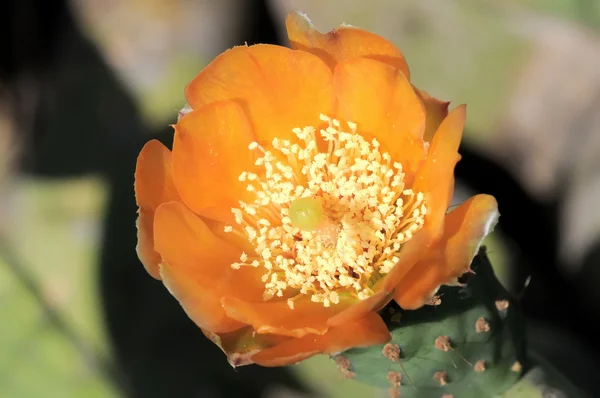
{"x":470,"y":51}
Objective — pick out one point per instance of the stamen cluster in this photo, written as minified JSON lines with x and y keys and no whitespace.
{"x":364,"y":198}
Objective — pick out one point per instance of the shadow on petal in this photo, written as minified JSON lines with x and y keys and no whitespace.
{"x":153,"y":186}
{"x":363,"y":332}
{"x":154,"y":176}
{"x":342,"y":43}
{"x":197,"y":267}
{"x":360,"y":308}
{"x":145,"y":243}
{"x":436,"y":178}
{"x":436,"y":110}
{"x":240,"y":345}
{"x":277,"y":317}
{"x":464,"y":229}
{"x":199,"y":299}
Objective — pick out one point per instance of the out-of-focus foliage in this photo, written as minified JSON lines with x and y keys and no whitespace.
{"x":55,"y":241}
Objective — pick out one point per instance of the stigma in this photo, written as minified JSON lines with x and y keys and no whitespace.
{"x":326,"y":222}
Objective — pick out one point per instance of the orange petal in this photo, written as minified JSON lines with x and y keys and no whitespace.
{"x":342,"y":43}
{"x":465,"y":227}
{"x":381,"y":101}
{"x":359,"y":309}
{"x":238,"y":240}
{"x":154,"y":177}
{"x":278,"y":318}
{"x":145,"y":243}
{"x":153,"y":186}
{"x":278,"y":88}
{"x":436,"y":178}
{"x":185,"y":241}
{"x":197,"y":296}
{"x":436,"y":112}
{"x":440,"y":163}
{"x":210,"y":151}
{"x":364,"y":332}
{"x":410,"y":254}
{"x":197,"y":267}
{"x":240,"y":345}
{"x":464,"y":230}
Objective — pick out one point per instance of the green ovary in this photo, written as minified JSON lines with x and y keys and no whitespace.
{"x":306,"y":213}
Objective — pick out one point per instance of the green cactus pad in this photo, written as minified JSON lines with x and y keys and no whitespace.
{"x":481,"y":324}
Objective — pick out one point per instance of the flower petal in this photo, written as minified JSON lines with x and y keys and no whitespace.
{"x":278,"y":88}
{"x":278,"y":318}
{"x":342,"y":43}
{"x":436,"y":110}
{"x":210,"y":151}
{"x":465,"y":227}
{"x":153,"y":186}
{"x":154,"y":177}
{"x":464,"y":230}
{"x":240,"y":345}
{"x":145,"y":243}
{"x":381,"y":101}
{"x":436,"y":178}
{"x":184,"y":240}
{"x":367,"y":331}
{"x":198,"y":298}
{"x":359,"y":309}
{"x":197,"y":267}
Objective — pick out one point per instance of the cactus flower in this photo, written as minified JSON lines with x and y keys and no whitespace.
{"x":307,"y":187}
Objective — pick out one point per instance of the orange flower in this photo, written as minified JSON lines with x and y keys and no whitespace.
{"x":307,"y":188}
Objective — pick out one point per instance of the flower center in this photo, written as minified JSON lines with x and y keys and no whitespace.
{"x":326,"y":224}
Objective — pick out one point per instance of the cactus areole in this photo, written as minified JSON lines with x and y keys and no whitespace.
{"x":463,"y":346}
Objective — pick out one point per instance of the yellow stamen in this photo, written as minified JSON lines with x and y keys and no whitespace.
{"x":326,"y":223}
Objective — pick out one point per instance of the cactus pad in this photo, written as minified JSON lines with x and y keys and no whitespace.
{"x":468,"y":343}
